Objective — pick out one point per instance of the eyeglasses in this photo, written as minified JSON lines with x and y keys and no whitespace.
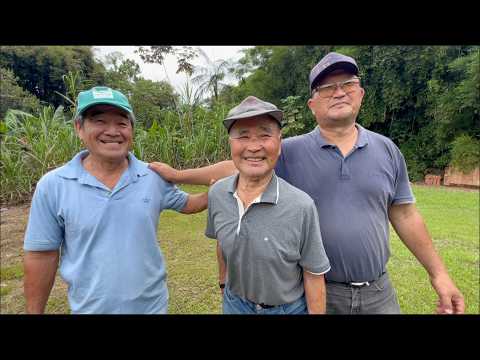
{"x":347,"y":86}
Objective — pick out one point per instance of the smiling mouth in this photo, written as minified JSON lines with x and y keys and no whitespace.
{"x":254,"y":159}
{"x":111,"y":142}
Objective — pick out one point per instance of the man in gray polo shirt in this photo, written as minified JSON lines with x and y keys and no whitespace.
{"x":270,"y":252}
{"x":359,"y":182}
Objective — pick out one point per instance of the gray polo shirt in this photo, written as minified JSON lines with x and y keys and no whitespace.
{"x":267,"y":249}
{"x":352,"y":195}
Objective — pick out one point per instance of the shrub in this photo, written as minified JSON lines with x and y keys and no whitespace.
{"x":465,"y":153}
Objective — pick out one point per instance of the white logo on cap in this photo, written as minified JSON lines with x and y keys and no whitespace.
{"x":102,"y":94}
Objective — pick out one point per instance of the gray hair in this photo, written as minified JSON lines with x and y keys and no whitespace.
{"x":81,"y":119}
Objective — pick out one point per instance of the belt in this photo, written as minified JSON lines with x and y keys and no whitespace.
{"x":359,"y":284}
{"x":355,"y":284}
{"x":264,"y":306}
{"x":352,"y":284}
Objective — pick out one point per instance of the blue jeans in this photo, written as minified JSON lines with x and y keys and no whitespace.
{"x":377,"y":298}
{"x":233,"y":304}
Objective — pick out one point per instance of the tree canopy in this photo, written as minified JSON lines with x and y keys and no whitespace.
{"x":425,"y":98}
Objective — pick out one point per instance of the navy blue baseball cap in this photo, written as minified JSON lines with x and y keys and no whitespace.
{"x":330,"y":62}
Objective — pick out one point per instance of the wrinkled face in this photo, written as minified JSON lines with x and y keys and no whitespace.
{"x":255,"y":146}
{"x":106,"y":132}
{"x":342,"y":105}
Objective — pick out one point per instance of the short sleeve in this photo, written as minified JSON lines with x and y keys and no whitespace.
{"x":210,"y":229}
{"x":280,"y":169}
{"x":45,"y":228}
{"x":403,"y":191}
{"x":313,"y":257}
{"x":174,"y":199}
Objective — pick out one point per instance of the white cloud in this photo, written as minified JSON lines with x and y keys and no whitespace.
{"x":167,"y":72}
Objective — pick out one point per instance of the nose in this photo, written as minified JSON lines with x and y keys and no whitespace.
{"x":112,"y":130}
{"x":255,"y":144}
{"x":339,"y":92}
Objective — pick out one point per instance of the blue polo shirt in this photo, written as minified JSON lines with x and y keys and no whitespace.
{"x":352,"y":194}
{"x":110,"y":257}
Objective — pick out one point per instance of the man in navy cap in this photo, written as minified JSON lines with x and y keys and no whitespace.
{"x":359,"y":182}
{"x":100,"y":213}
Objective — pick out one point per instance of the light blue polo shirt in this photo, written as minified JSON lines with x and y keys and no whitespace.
{"x":110,"y":257}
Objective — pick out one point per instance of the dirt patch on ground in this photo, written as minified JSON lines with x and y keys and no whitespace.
{"x":13,"y":223}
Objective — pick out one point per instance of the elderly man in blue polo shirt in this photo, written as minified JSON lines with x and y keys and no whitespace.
{"x":99,"y":213}
{"x":270,"y":252}
{"x":359,"y":182}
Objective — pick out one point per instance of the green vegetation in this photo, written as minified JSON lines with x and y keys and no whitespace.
{"x":31,"y":146}
{"x":422,"y":97}
{"x":11,"y":272}
{"x":466,"y":153}
{"x":5,"y":290}
{"x":425,"y":98}
{"x":452,"y":217}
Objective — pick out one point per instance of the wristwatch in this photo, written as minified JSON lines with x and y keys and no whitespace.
{"x":221,"y":285}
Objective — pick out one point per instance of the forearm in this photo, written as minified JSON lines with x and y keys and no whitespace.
{"x":221,"y":265}
{"x":411,"y":229}
{"x":315,"y":292}
{"x":196,"y":203}
{"x":40,"y":268}
{"x":413,"y":232}
{"x":204,"y":175}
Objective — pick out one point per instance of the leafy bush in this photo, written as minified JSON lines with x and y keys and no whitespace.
{"x":12,"y":96}
{"x":465,"y":153}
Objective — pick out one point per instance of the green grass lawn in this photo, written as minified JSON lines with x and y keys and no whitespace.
{"x":452,"y":217}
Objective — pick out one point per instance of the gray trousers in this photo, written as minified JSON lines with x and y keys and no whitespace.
{"x":377,"y":298}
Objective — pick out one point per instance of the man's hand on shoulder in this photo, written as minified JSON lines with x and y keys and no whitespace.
{"x":164,"y":170}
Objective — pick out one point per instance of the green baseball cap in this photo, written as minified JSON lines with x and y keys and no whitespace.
{"x":102,"y":95}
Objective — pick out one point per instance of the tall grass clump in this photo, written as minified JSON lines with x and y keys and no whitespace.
{"x":184,"y":138}
{"x":31,"y":145}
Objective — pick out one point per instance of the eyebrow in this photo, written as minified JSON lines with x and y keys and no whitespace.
{"x":266,"y":128}
{"x":100,"y":112}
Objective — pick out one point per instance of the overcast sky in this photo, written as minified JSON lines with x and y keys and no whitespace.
{"x":158,"y":72}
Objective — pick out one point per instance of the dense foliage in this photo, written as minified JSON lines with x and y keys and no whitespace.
{"x":422,"y":97}
{"x":425,"y":98}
